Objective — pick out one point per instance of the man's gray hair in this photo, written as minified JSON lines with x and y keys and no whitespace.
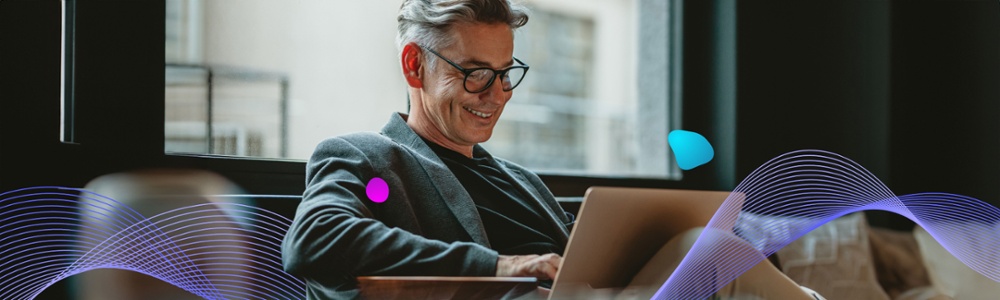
{"x":427,"y":22}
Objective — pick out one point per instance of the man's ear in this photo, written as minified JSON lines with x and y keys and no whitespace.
{"x":412,"y":62}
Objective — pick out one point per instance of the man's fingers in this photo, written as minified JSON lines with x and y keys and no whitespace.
{"x":541,"y":266}
{"x":555,"y":262}
{"x":548,"y":266}
{"x":551,"y":271}
{"x":542,"y":270}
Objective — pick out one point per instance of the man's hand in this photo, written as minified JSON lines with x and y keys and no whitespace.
{"x":543,"y":267}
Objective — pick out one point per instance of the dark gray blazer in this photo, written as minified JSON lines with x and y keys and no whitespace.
{"x":428,"y":226}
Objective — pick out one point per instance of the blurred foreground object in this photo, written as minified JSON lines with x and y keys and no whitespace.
{"x":197,"y":233}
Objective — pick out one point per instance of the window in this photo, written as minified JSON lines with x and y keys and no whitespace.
{"x":271,"y":79}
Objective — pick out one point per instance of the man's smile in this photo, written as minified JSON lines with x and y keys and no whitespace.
{"x":478,"y":113}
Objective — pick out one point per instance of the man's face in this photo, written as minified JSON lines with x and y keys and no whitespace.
{"x":462,"y":117}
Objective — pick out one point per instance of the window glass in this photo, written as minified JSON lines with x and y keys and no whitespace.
{"x":271,"y":79}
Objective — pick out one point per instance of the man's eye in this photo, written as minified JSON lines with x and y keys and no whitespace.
{"x":480,"y":75}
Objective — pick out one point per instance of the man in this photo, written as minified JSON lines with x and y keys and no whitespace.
{"x":453,"y":209}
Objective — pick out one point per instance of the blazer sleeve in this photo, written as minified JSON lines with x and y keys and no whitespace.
{"x":334,"y":233}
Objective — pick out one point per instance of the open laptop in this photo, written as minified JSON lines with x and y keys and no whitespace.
{"x":619,"y":229}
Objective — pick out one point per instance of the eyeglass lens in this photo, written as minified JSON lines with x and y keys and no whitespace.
{"x":480,"y":79}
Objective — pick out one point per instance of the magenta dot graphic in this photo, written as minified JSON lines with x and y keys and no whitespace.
{"x":377,"y":190}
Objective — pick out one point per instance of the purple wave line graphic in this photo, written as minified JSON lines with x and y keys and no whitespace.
{"x":796,"y":192}
{"x":212,"y":250}
{"x":228,"y":250}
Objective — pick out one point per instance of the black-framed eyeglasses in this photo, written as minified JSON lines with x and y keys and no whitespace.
{"x":479,"y":79}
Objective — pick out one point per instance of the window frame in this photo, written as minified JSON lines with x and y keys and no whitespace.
{"x":124,"y":129}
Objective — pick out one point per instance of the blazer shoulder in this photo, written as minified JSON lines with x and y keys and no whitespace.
{"x":378,"y":150}
{"x":363,"y":153}
{"x":357,"y":138}
{"x":364,"y":142}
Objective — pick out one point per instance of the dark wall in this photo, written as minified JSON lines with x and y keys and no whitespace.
{"x":946,"y":98}
{"x":908,"y":89}
{"x":813,"y":74}
{"x":29,"y":74}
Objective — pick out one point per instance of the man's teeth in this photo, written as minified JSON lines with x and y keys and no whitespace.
{"x":478,"y":113}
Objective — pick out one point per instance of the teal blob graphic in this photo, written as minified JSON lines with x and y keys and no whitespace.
{"x":690,"y":149}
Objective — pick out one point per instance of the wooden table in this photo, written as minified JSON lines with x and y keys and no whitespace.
{"x":429,"y":287}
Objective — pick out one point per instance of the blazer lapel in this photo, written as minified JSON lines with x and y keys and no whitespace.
{"x":449,"y":188}
{"x":533,"y":193}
